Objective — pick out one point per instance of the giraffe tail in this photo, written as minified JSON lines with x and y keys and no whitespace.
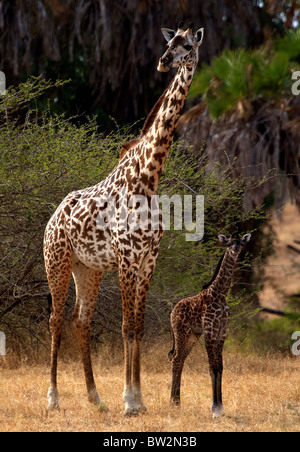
{"x":49,"y":300}
{"x":49,"y":309}
{"x":172,"y":351}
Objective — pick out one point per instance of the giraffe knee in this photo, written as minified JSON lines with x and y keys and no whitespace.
{"x":140,"y":335}
{"x":128,"y":335}
{"x":139,"y":332}
{"x":54,"y":323}
{"x":80,"y":325}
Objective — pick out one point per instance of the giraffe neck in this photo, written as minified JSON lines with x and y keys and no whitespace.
{"x":222,"y":282}
{"x":157,"y":141}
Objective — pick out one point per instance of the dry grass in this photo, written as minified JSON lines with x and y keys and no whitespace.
{"x":260,"y":394}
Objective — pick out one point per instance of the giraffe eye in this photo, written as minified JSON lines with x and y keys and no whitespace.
{"x":188,"y":47}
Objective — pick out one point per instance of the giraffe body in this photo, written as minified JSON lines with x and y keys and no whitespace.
{"x":89,"y":233}
{"x":206,"y":313}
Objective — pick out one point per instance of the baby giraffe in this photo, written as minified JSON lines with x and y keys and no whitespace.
{"x":206,"y":313}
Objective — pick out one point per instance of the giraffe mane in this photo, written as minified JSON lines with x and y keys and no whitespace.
{"x":205,"y":286}
{"x":147,"y":125}
{"x":150,"y":118}
{"x":128,"y":145}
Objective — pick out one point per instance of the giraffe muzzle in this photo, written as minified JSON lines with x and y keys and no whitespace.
{"x":165,"y":63}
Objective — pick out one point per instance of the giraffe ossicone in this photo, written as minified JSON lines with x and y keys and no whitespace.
{"x":75,"y":245}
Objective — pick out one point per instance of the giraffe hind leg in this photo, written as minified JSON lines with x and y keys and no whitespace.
{"x":184,"y":341}
{"x":58,"y":279}
{"x":87,"y":283}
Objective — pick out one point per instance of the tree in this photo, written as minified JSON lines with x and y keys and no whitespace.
{"x":249,"y":119}
{"x":110,"y":48}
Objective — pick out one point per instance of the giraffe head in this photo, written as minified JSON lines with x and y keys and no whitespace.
{"x":182,"y":47}
{"x":235,"y":244}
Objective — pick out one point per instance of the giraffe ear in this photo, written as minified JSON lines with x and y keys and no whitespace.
{"x":168,"y":33}
{"x":246,"y":238}
{"x":223,"y":239}
{"x":199,"y":36}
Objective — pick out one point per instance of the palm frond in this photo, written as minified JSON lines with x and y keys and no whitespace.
{"x":245,"y":75}
{"x":290,"y":44}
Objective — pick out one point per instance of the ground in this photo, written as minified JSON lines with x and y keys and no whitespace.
{"x":283,"y":268}
{"x":260,"y":394}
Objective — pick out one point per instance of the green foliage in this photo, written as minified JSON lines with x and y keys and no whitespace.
{"x":17,"y":98}
{"x":290,"y":45}
{"x":273,"y":335}
{"x":184,"y":267}
{"x":272,"y":77}
{"x":44,"y":157}
{"x":237,"y":78}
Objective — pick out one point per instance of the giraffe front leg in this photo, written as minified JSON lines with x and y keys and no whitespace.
{"x":214,"y":352}
{"x":143,"y":283}
{"x":136,"y":356}
{"x":128,"y":396}
{"x":128,"y":288}
{"x":136,"y":371}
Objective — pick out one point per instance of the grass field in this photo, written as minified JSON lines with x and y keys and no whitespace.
{"x":259,"y":394}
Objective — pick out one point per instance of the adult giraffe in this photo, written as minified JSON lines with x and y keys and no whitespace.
{"x":76,"y":242}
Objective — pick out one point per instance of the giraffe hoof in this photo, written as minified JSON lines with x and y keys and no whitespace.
{"x":135,"y":410}
{"x":174,"y":403}
{"x":93,"y":397}
{"x":53,"y":403}
{"x":102,"y":407}
{"x":130,"y":412}
{"x":142,"y":409}
{"x":218,"y":411}
{"x":53,"y":407}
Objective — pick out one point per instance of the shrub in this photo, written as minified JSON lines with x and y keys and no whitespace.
{"x":44,"y":157}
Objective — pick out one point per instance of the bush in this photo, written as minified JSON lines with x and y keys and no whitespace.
{"x":274,"y":335}
{"x":43,"y":158}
